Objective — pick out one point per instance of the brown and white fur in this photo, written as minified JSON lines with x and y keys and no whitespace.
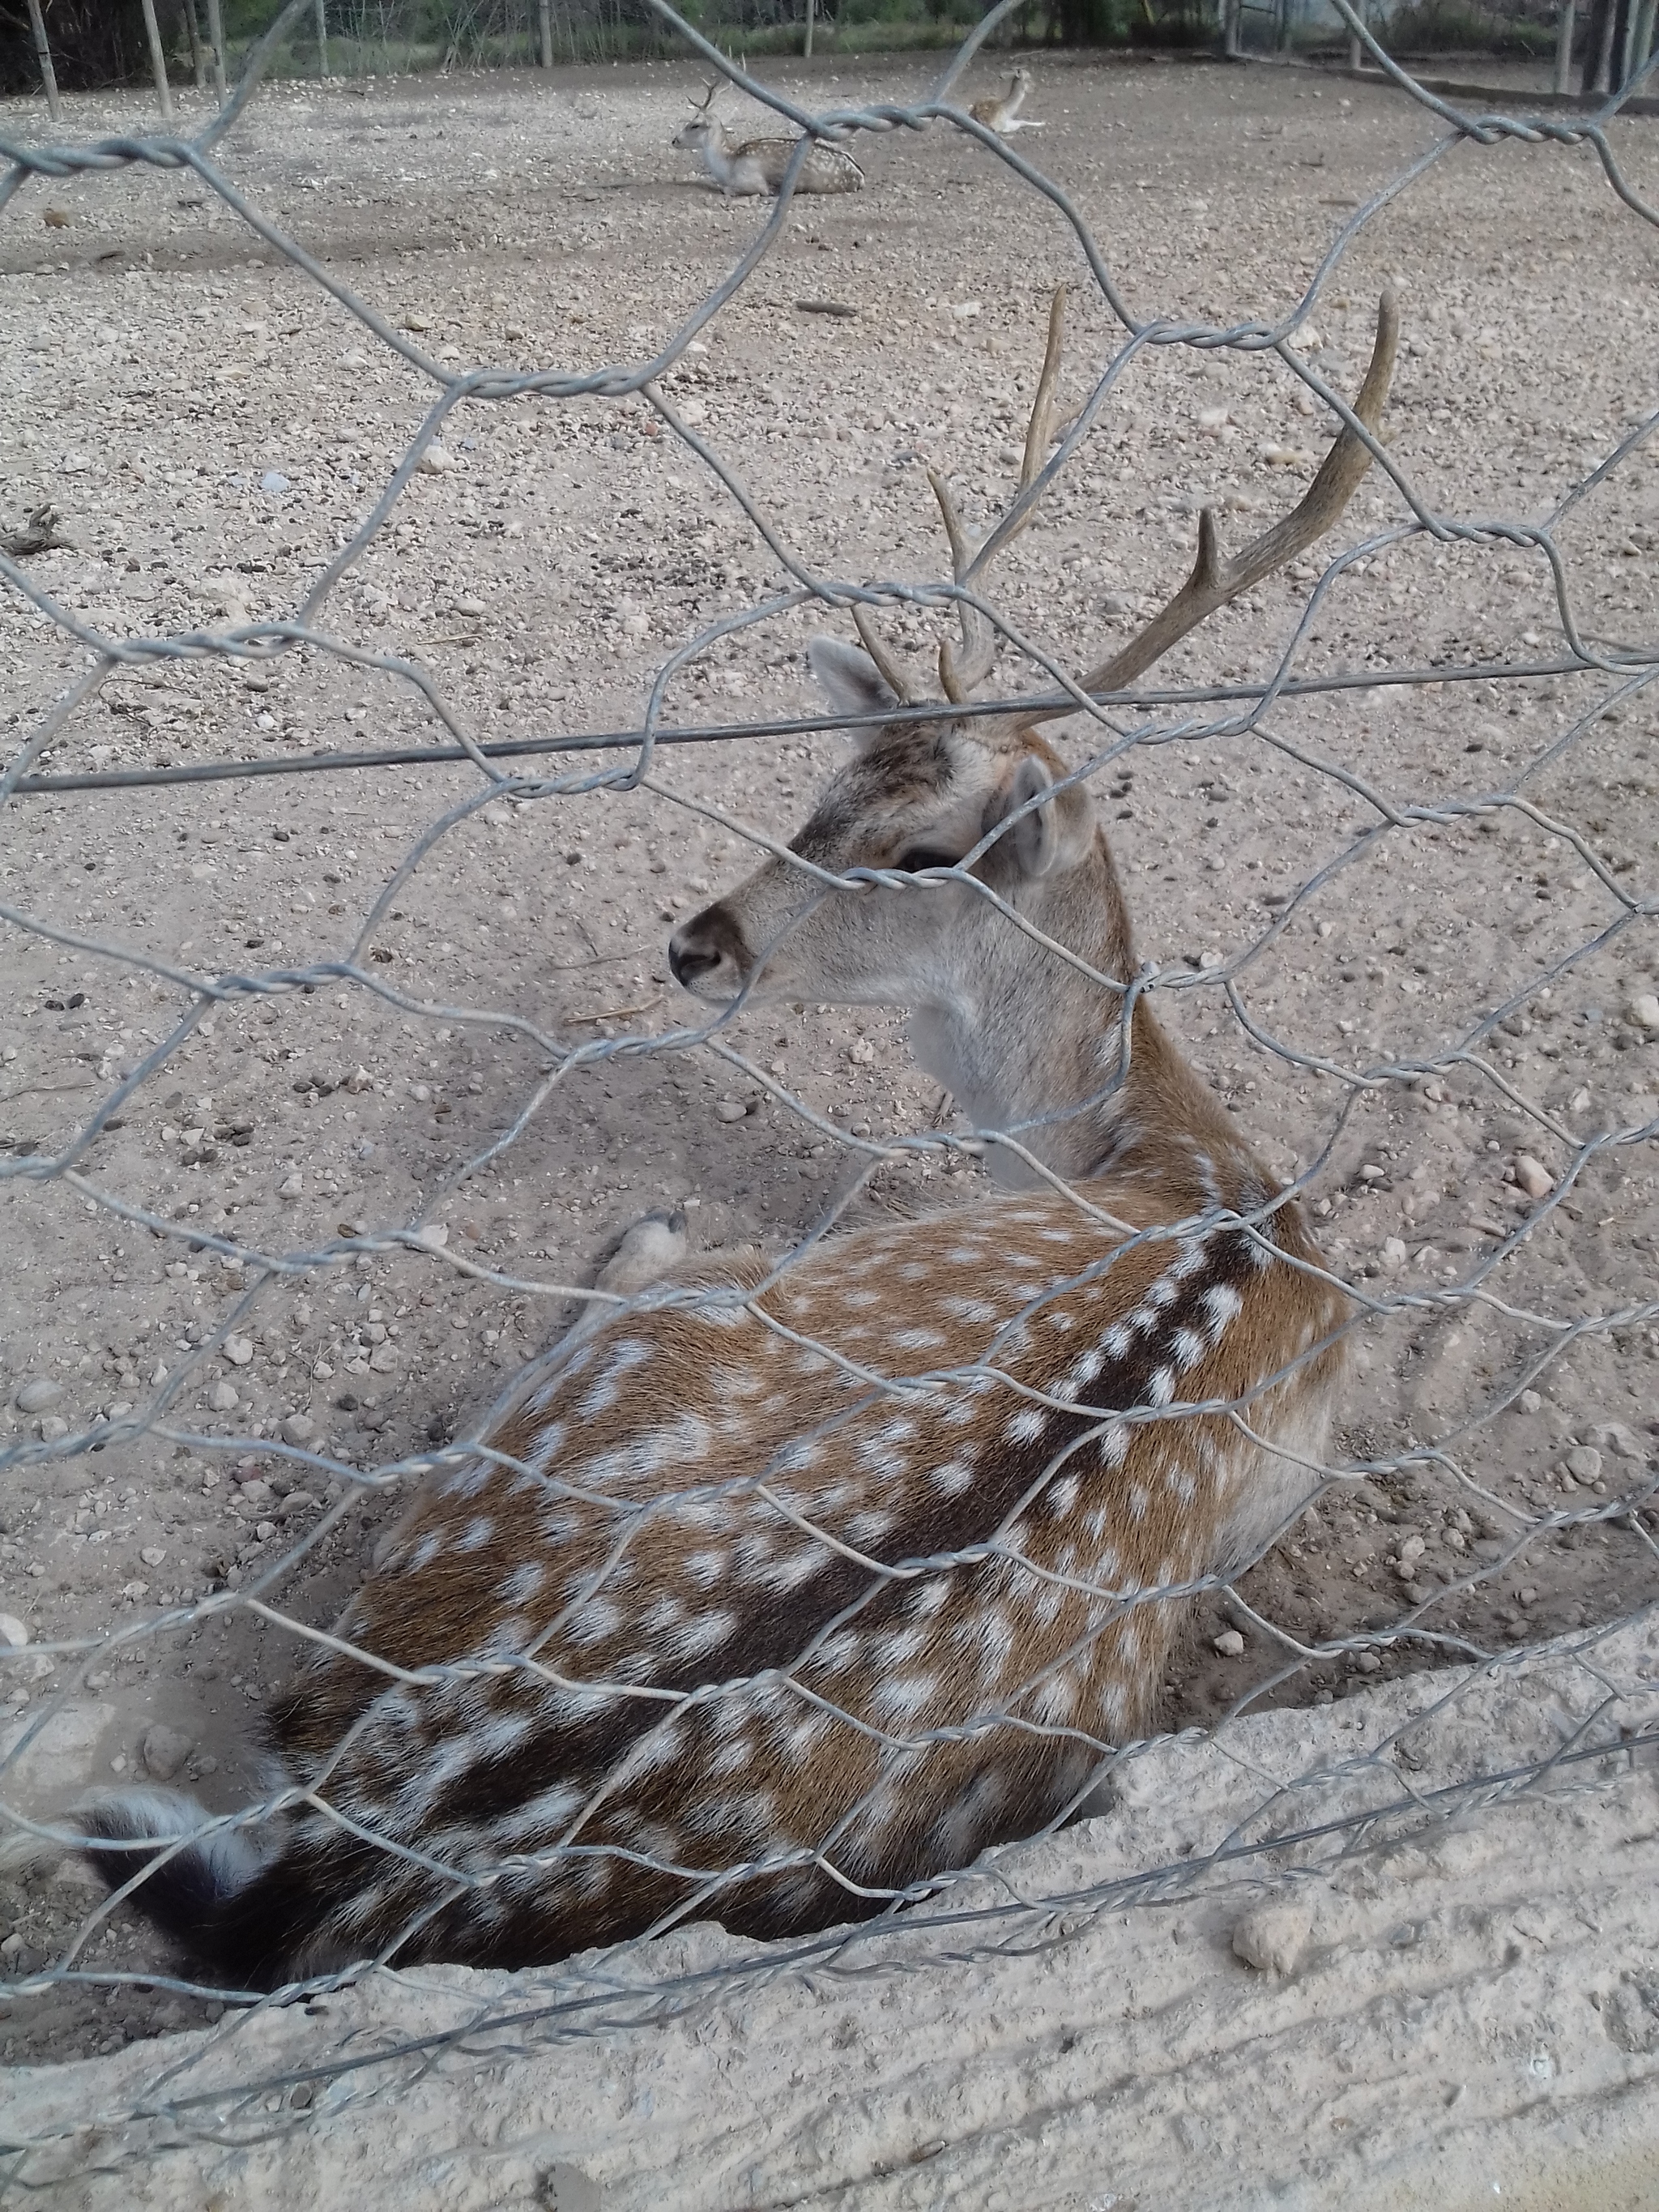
{"x":749,"y":167}
{"x":772,"y":1606}
{"x":1002,"y":114}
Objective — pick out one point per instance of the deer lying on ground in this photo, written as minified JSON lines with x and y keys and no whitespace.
{"x":1002,"y":114}
{"x":750,"y":166}
{"x":774,"y":1602}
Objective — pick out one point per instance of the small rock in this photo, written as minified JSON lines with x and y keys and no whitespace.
{"x":1613,"y":1436}
{"x":436,"y":461}
{"x":1583,"y":1463}
{"x":165,"y":1751}
{"x":1273,"y":1938}
{"x":420,"y":1092}
{"x":1395,"y":1253}
{"x":239,"y":1350}
{"x":1229,"y":1644}
{"x":1533,"y":1177}
{"x":152,"y":1555}
{"x":1368,"y":1662}
{"x":384,"y":1360}
{"x":51,"y":1427}
{"x":1410,"y":1552}
{"x":274,"y":481}
{"x":1644,"y":1012}
{"x":414,"y":322}
{"x":731,"y":1110}
{"x":297,"y":1429}
{"x":433,"y":1235}
{"x":222,"y":1398}
{"x":34,"y":1397}
{"x":297,"y":1501}
{"x":291,"y":1186}
{"x":13,"y":1634}
{"x":1529,"y":1401}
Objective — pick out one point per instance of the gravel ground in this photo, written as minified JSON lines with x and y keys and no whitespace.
{"x":211,"y":426}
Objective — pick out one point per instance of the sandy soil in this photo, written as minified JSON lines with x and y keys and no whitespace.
{"x":174,"y":367}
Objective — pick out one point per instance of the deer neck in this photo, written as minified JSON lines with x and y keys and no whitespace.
{"x":1019,"y":1037}
{"x":717,"y":152}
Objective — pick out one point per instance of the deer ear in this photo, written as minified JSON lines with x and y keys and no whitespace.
{"x":1056,"y":832}
{"x":851,"y":681}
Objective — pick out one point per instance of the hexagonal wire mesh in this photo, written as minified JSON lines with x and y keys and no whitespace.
{"x":797,"y":1571}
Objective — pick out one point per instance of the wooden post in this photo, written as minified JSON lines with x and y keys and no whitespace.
{"x":1643,"y":40}
{"x":812,"y":17}
{"x":1563,"y":22}
{"x":158,"y":61}
{"x":217,"y":41}
{"x":1356,"y":51}
{"x":322,"y":38}
{"x":1602,"y":80}
{"x":197,"y":59}
{"x":43,"y":55}
{"x":1230,"y":29}
{"x":545,"y":13}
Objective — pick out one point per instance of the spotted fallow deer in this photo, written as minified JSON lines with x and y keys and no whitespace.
{"x":751,"y":165}
{"x":778,"y":1593}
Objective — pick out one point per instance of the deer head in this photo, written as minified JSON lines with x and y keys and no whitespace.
{"x":1018,"y":1030}
{"x":704,"y":124}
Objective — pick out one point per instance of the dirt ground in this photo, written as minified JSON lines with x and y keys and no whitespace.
{"x":212,"y":426}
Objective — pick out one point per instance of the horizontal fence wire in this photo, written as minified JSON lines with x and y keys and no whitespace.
{"x":618,"y":1511}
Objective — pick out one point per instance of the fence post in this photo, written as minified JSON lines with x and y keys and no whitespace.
{"x":158,"y":61}
{"x":1601,"y":79}
{"x":1356,"y":51}
{"x":1563,"y":22}
{"x":322,"y":38}
{"x":811,"y":18}
{"x":43,"y":55}
{"x":545,"y":14}
{"x":1643,"y":45}
{"x":197,"y":59}
{"x":217,"y":41}
{"x":1230,"y":29}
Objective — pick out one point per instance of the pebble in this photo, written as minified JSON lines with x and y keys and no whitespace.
{"x":436,"y":461}
{"x":52,"y":1427}
{"x":1529,"y":1401}
{"x":152,"y":1555}
{"x":433,"y":1235}
{"x":298,"y":1428}
{"x":420,"y":1092}
{"x":165,"y":1751}
{"x":222,"y":1399}
{"x":1368,"y":1662}
{"x":1644,"y":1011}
{"x":1533,"y":1177}
{"x":1393,"y":1253}
{"x":1229,"y":1644}
{"x":1613,"y":1436}
{"x":36,"y":1396}
{"x":291,"y":1186}
{"x":239,"y":1350}
{"x":1273,"y":1937}
{"x":1583,"y":1463}
{"x":1410,"y":1552}
{"x":274,"y":481}
{"x":13,"y":1634}
{"x":731,"y":1110}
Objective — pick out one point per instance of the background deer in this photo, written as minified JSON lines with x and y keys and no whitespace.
{"x":771,"y":1602}
{"x":1002,"y":114}
{"x":750,"y":166}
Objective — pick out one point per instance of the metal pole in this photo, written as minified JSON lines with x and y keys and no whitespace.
{"x":158,"y":61}
{"x":1356,"y":51}
{"x":43,"y":55}
{"x":197,"y":59}
{"x":1644,"y":27}
{"x":322,"y":38}
{"x":217,"y":41}
{"x":1602,"y":82}
{"x":545,"y":11}
{"x":812,"y":17}
{"x":1563,"y":22}
{"x":1230,"y":29}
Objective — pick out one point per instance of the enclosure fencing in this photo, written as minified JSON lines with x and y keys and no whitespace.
{"x":531,"y":770}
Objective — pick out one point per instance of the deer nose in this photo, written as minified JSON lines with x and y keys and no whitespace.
{"x":701,"y":947}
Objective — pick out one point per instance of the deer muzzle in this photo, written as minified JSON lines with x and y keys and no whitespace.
{"x":707,"y":955}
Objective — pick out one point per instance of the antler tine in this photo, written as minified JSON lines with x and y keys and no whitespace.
{"x":1213,"y":581}
{"x":963,"y":668}
{"x":892,"y":672}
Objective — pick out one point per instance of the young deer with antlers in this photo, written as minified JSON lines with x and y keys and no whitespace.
{"x":1002,"y":113}
{"x":751,"y":165}
{"x":780,"y":1592}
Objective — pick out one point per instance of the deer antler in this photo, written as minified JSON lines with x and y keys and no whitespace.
{"x":1214,"y":581}
{"x":962,"y":669}
{"x":963,"y":666}
{"x":706,"y":105}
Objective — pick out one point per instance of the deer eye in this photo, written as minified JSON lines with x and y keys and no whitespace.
{"x":925,"y":856}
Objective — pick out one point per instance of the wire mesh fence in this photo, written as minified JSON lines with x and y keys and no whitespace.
{"x":797,"y":1589}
